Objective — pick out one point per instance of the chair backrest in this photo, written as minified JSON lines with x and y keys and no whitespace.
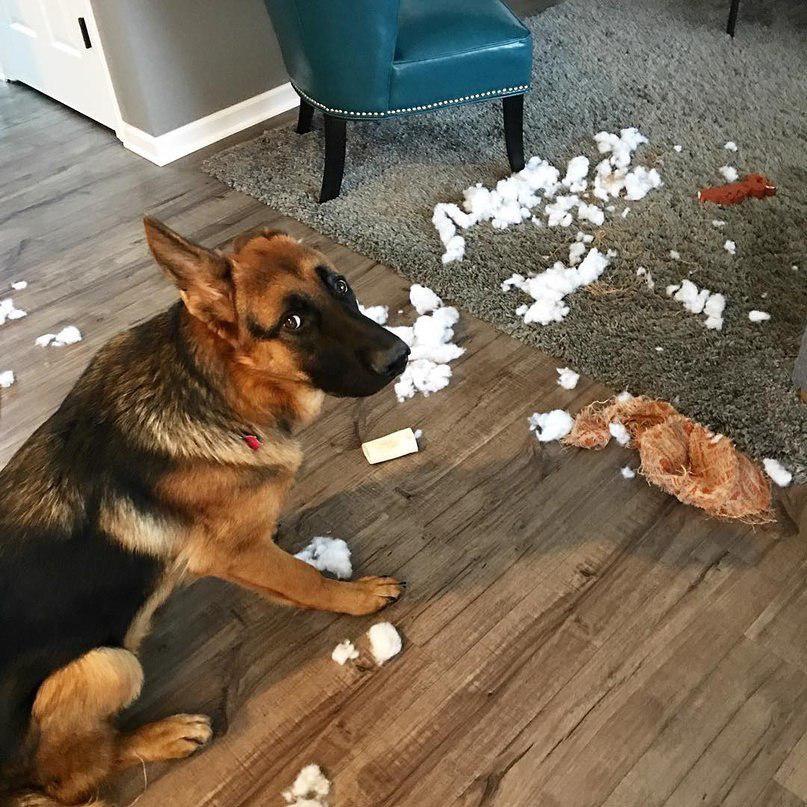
{"x":339,"y":52}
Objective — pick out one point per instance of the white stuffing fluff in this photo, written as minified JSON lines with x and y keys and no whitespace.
{"x":758,"y":316}
{"x":730,"y":146}
{"x":659,"y":349}
{"x":310,"y":788}
{"x":625,"y":212}
{"x":514,"y":199}
{"x":431,"y":350}
{"x":67,"y":336}
{"x":730,"y":247}
{"x":9,"y":312}
{"x":592,"y":213}
{"x":576,"y":173}
{"x":423,"y":299}
{"x":19,"y":285}
{"x":675,"y":254}
{"x":640,"y":181}
{"x":385,"y":642}
{"x":624,"y":396}
{"x":557,"y":212}
{"x":429,"y":340}
{"x":777,"y":472}
{"x":714,"y":308}
{"x":6,"y":379}
{"x":418,"y":434}
{"x":700,"y":301}
{"x":678,"y":148}
{"x":729,"y":173}
{"x":627,"y":472}
{"x":549,"y":288}
{"x":620,"y":146}
{"x":718,"y":223}
{"x":576,"y":251}
{"x":377,"y":313}
{"x":328,"y":554}
{"x":641,"y":271}
{"x":549,"y":426}
{"x":619,"y":432}
{"x":344,"y":652}
{"x":567,"y":378}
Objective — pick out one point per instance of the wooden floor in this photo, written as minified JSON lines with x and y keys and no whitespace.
{"x":571,"y":638}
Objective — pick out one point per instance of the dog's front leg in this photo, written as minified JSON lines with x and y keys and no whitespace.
{"x":264,"y":567}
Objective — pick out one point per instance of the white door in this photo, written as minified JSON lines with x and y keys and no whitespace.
{"x":53,"y":46}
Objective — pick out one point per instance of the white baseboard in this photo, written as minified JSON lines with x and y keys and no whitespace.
{"x":197,"y":134}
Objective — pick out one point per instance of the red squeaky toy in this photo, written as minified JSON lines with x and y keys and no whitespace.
{"x":756,"y":185}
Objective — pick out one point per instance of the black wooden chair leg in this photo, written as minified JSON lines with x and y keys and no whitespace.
{"x":513,"y":107}
{"x":735,"y":7}
{"x":305,"y":117}
{"x":335,"y":141}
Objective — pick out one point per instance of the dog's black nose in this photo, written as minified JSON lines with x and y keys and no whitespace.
{"x":390,"y":361}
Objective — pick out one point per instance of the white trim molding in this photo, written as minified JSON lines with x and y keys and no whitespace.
{"x":165,"y":148}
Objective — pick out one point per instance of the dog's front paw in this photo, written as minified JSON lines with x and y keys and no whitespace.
{"x":178,"y":736}
{"x":371,"y":594}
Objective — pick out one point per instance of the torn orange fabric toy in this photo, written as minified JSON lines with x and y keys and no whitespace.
{"x":756,"y":185}
{"x":681,"y":457}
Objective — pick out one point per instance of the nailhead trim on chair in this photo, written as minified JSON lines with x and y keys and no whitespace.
{"x":422,"y":108}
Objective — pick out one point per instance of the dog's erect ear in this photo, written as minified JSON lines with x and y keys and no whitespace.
{"x":240,"y":241}
{"x":203,"y":276}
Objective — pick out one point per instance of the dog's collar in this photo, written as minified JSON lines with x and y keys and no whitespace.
{"x":253,"y":441}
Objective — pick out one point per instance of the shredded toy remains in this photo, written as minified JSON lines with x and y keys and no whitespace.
{"x":627,"y":472}
{"x":8,"y":311}
{"x":550,"y":288}
{"x":328,"y":554}
{"x":551,"y":426}
{"x":681,"y":456}
{"x":567,"y":378}
{"x":777,"y":472}
{"x":390,"y":447}
{"x":429,"y":340}
{"x":19,"y":285}
{"x":67,"y":336}
{"x":729,"y":173}
{"x":758,"y":316}
{"x":700,"y":301}
{"x":752,"y":185}
{"x":345,"y":651}
{"x":520,"y":196}
{"x":6,"y":379}
{"x":619,"y":432}
{"x":385,"y":642}
{"x":310,"y":788}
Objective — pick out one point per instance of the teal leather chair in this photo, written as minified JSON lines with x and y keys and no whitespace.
{"x":372,"y":59}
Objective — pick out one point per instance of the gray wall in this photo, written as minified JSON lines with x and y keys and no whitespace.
{"x":174,"y":61}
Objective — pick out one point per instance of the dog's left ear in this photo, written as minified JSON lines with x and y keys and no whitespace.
{"x":203,"y":276}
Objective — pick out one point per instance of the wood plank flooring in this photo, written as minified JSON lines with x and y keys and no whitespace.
{"x":571,"y":638}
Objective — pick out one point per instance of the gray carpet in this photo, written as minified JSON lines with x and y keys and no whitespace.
{"x":667,"y":67}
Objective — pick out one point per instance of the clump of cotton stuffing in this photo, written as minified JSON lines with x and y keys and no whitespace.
{"x":385,"y":642}
{"x":551,"y":426}
{"x":567,"y":378}
{"x":328,"y":554}
{"x":310,"y":788}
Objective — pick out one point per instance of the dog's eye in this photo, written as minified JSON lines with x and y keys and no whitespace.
{"x":340,"y":286}
{"x":293,"y":322}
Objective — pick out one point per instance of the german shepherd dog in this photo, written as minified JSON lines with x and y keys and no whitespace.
{"x":168,"y":461}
